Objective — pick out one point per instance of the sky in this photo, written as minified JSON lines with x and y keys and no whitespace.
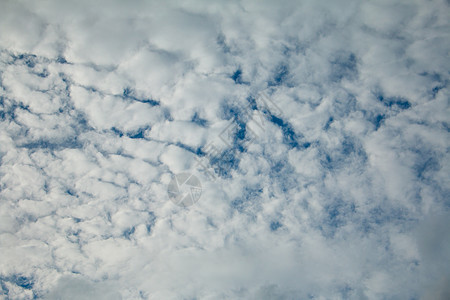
{"x":315,"y":136}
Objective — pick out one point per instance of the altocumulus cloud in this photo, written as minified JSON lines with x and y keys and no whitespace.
{"x":339,"y":191}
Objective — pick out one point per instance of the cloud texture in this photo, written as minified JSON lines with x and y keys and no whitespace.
{"x":322,"y":128}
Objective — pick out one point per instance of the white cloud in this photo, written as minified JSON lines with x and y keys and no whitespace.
{"x":342,"y":191}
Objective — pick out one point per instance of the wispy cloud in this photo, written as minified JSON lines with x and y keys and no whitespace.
{"x":334,"y":186}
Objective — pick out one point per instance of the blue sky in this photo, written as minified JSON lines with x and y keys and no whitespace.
{"x":319,"y":131}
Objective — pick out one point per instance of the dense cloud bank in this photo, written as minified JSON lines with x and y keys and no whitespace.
{"x":319,"y":131}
